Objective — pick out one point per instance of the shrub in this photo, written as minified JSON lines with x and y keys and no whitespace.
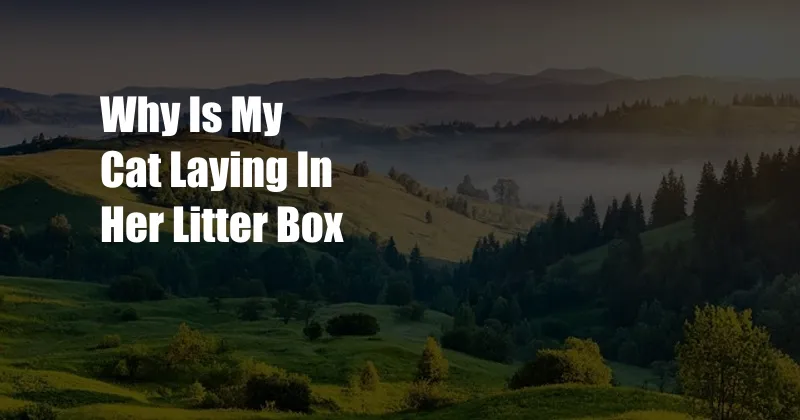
{"x":196,"y":394}
{"x":30,"y":412}
{"x":251,"y":310}
{"x":432,"y":366}
{"x":359,"y":324}
{"x":133,"y":362}
{"x":424,"y":396}
{"x":580,"y":362}
{"x":252,"y":385}
{"x":135,"y":289}
{"x":313,"y":330}
{"x":361,"y":169}
{"x":399,"y":293}
{"x":283,"y":391}
{"x":458,"y":339}
{"x":368,"y":378}
{"x":128,"y":314}
{"x":416,"y":311}
{"x":485,"y":343}
{"x":489,"y":344}
{"x":190,"y":348}
{"x":110,"y":341}
{"x":413,"y":311}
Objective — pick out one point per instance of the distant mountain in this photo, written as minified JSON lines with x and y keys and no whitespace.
{"x":434,"y":94}
{"x":401,"y":95}
{"x":587,"y":76}
{"x":495,"y":78}
{"x":10,"y":114}
{"x":541,"y":90}
{"x":303,"y":89}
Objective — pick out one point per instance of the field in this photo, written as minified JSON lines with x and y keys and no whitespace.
{"x":68,"y":181}
{"x":50,"y":331}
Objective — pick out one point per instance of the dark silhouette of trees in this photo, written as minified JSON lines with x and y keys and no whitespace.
{"x":669,"y":204}
{"x":467,"y":188}
{"x":506,"y":192}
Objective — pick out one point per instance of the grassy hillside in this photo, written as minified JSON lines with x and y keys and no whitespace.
{"x":69,"y":182}
{"x":50,"y":330}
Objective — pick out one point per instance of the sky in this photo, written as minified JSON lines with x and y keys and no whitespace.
{"x":93,"y":46}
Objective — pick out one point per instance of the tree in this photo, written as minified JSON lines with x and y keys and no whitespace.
{"x":432,"y":366}
{"x":580,"y":362}
{"x":307,"y":311}
{"x":665,"y":373}
{"x":641,"y":221}
{"x":727,"y":364}
{"x":251,"y":309}
{"x":421,"y":283}
{"x":669,"y":203}
{"x":747,"y":179}
{"x":392,"y":256}
{"x":286,"y":306}
{"x":587,"y":225}
{"x":215,"y":302}
{"x":467,"y":188}
{"x":464,"y":317}
{"x":313,"y":330}
{"x":506,"y":192}
{"x":361,"y":169}
{"x":189,"y":347}
{"x":368,"y":378}
{"x":399,"y":293}
{"x":428,"y":217}
{"x":705,"y":203}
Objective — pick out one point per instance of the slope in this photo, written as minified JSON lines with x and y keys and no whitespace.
{"x":369,"y":204}
{"x":51,"y":329}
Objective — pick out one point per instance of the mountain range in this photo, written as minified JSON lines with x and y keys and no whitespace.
{"x":347,"y":96}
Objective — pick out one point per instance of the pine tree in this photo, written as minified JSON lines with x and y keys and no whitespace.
{"x":641,"y":222}
{"x":669,"y":204}
{"x":627,"y":216}
{"x":392,"y":257}
{"x":587,"y":225}
{"x":418,"y":269}
{"x":464,"y":317}
{"x":659,"y":207}
{"x":705,"y":204}
{"x":746,"y":180}
{"x":611,"y":221}
{"x":432,"y":366}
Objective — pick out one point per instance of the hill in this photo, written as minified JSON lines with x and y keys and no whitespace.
{"x":588,"y":89}
{"x":52,"y":329}
{"x":295,"y":90}
{"x":68,"y":180}
{"x":586,"y":76}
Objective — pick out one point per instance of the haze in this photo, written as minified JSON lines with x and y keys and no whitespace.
{"x":95,"y":46}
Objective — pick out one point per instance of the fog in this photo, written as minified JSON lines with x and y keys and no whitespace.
{"x":14,"y":134}
{"x":570,"y":166}
{"x":604,"y":166}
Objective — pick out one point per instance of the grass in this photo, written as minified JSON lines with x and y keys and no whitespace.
{"x":51,"y":329}
{"x":68,"y":181}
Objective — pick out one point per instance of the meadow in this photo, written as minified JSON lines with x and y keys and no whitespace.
{"x":69,"y":179}
{"x":51,"y":330}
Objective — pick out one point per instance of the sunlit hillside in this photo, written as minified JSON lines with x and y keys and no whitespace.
{"x":370,"y":204}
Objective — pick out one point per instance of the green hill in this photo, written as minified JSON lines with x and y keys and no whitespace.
{"x":67,"y":181}
{"x":50,"y":331}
